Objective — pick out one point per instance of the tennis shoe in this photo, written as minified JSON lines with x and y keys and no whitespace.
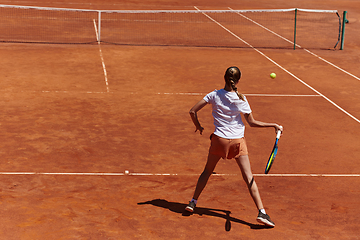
{"x":190,"y":207}
{"x":265,"y":219}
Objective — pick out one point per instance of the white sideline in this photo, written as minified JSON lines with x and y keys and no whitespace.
{"x":102,"y":58}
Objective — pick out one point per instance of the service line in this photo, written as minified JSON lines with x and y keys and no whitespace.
{"x":247,"y":94}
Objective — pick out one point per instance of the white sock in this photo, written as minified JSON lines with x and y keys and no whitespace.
{"x":262,"y":211}
{"x":193,"y":200}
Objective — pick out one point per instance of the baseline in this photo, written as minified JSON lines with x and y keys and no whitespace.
{"x":179,"y":174}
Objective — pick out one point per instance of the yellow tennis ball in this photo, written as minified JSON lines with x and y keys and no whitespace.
{"x":273,"y":75}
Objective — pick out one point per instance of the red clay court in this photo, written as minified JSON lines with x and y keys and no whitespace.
{"x":76,"y":116}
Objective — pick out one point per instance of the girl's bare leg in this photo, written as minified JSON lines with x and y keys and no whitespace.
{"x":244,"y":164}
{"x":204,"y":177}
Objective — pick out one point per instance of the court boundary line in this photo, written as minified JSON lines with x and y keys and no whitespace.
{"x":250,"y":94}
{"x":101,"y":57}
{"x":281,"y":67}
{"x":331,"y":64}
{"x":176,"y":93}
{"x":177,"y":174}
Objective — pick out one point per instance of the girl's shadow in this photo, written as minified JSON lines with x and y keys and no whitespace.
{"x":180,"y":208}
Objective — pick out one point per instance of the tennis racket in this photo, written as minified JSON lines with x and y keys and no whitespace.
{"x":273,"y":153}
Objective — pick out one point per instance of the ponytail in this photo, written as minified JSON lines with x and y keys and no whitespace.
{"x":232,"y":76}
{"x":240,"y":95}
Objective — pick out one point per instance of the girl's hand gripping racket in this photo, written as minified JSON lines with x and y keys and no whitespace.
{"x":273,"y":153}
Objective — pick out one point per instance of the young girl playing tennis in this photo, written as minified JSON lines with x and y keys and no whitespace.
{"x":228,"y":140}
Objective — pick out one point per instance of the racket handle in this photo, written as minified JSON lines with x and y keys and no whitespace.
{"x":278,"y":134}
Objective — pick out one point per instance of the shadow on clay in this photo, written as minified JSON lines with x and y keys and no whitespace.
{"x":180,"y":208}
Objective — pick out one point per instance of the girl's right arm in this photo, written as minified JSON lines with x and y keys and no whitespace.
{"x":255,"y":123}
{"x":193,"y":114}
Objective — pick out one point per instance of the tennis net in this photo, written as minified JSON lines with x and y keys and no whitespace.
{"x":280,"y":28}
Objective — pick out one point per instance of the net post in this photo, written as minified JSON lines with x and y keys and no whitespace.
{"x":99,"y":25}
{"x":295,"y":28}
{"x":343,"y":30}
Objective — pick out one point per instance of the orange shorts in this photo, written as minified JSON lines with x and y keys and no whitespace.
{"x":227,"y":148}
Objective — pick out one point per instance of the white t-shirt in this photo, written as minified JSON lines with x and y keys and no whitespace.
{"x":226,"y":109}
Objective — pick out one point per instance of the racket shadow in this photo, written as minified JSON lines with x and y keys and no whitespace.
{"x":220,"y":213}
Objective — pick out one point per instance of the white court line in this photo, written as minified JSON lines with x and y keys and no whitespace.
{"x":249,"y":94}
{"x":281,"y":67}
{"x":282,"y":95}
{"x":322,"y":59}
{"x":177,"y":93}
{"x":63,"y":174}
{"x":88,"y":92}
{"x":102,"y":58}
{"x":307,"y":175}
{"x":176,"y":174}
{"x":352,"y":75}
